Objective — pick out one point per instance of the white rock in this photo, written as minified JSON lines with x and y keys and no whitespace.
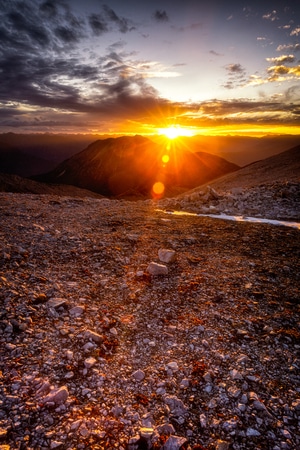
{"x":93,"y":336}
{"x":166,"y":255}
{"x":56,"y":302}
{"x":89,"y":346}
{"x":160,"y":391}
{"x":207,"y":377}
{"x":243,"y":359}
{"x":57,"y":396}
{"x":56,"y":444}
{"x":252,"y":432}
{"x":286,"y":434}
{"x":166,"y":428}
{"x":244,"y":399}
{"x":259,"y":406}
{"x":69,"y":355}
{"x":176,"y":405}
{"x":75,"y":425}
{"x":203,"y":421}
{"x":184,"y":383}
{"x":146,"y":432}
{"x":173,"y":366}
{"x":222,"y":445}
{"x":236,"y":375}
{"x":138,"y":375}
{"x":174,"y":443}
{"x":113,"y":331}
{"x":89,"y":362}
{"x":157,"y":269}
{"x":77,"y":311}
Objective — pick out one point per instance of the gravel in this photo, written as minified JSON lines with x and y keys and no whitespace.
{"x":97,"y":351}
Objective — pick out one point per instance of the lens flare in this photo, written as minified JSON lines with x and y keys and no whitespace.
{"x":158,"y":189}
{"x":165,"y":159}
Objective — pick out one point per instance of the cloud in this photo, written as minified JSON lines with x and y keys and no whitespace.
{"x":235,"y":68}
{"x":213,"y":52}
{"x":236,"y":76}
{"x":42,"y":63}
{"x":98,"y":24}
{"x":293,"y":93}
{"x":288,"y":47}
{"x":281,"y":59}
{"x":272,"y":16}
{"x":242,"y":111}
{"x":123,"y":23}
{"x":295,"y":32}
{"x":283,"y":73}
{"x":161,"y":16}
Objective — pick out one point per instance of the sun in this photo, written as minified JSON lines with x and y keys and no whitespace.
{"x":174,"y":131}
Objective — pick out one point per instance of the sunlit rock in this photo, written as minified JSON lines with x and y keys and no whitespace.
{"x":166,"y":255}
{"x":157,"y":269}
{"x":57,"y":396}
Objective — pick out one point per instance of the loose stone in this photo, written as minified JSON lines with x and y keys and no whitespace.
{"x":138,"y":375}
{"x":57,"y":302}
{"x":57,"y":396}
{"x":166,"y":256}
{"x":174,"y":443}
{"x":157,"y":269}
{"x":90,"y":362}
{"x":93,"y":336}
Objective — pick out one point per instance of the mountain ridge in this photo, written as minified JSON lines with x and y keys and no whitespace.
{"x":116,"y":166}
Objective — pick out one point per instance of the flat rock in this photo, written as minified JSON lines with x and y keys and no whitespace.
{"x":157,"y":269}
{"x":166,"y":255}
{"x":57,"y":302}
{"x":57,"y":396}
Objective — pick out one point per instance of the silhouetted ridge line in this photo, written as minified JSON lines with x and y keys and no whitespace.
{"x":116,"y":166}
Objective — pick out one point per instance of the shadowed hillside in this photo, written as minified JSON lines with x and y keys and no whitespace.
{"x":129,"y":166}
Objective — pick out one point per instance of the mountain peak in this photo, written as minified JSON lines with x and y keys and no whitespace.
{"x":117,"y":167}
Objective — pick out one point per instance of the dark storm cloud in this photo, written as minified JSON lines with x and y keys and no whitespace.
{"x":123,"y":23}
{"x":49,"y":9}
{"x":98,"y":24}
{"x":41,"y":66}
{"x":36,"y":67}
{"x":161,"y":16}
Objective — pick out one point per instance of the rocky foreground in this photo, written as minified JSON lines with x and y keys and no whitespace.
{"x":122,"y":327}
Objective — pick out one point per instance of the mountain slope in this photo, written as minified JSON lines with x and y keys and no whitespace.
{"x":131,"y":165}
{"x":282,"y":167}
{"x":15,"y":161}
{"x":268,"y":188}
{"x":16,"y":184}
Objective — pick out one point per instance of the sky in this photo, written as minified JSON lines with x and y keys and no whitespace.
{"x":140,"y":67}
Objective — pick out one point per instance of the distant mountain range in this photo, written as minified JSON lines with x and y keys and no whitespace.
{"x":129,"y":166}
{"x":126,"y":167}
{"x":32,"y":154}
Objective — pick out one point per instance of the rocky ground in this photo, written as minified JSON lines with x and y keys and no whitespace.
{"x":277,"y":200}
{"x":122,"y":327}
